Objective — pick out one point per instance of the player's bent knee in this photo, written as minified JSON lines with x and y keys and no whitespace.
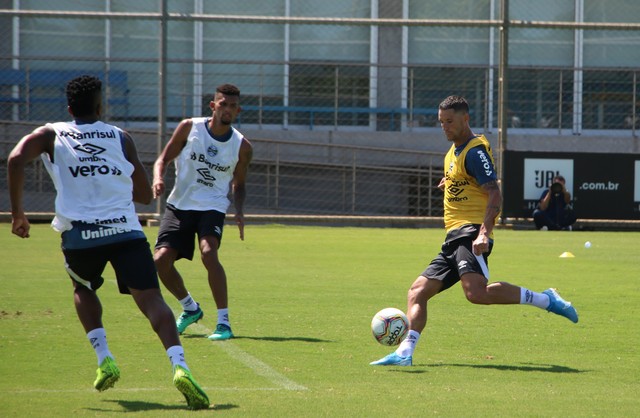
{"x":477,"y":298}
{"x":210,"y":259}
{"x":164,"y":258}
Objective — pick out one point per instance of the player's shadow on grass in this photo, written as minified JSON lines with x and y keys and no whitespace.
{"x":134,"y":406}
{"x":527,"y":367}
{"x":189,"y":336}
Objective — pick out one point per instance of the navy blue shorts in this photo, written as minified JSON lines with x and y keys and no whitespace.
{"x":178,"y":229}
{"x":456,"y":257}
{"x":131,"y":260}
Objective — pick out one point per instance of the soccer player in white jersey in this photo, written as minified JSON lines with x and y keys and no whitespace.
{"x":98,"y":176}
{"x":211,"y":160}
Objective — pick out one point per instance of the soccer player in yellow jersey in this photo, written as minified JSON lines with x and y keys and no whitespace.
{"x":472,"y":201}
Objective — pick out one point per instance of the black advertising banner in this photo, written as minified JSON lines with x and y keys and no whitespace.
{"x":603,"y":186}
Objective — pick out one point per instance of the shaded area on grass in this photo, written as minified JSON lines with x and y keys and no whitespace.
{"x":131,"y":406}
{"x":527,"y":367}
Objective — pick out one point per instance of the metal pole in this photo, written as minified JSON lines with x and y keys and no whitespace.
{"x":107,"y":63}
{"x":373,"y":66}
{"x":560,"y":105}
{"x":430,"y":188}
{"x":260,"y":96}
{"x":336,"y":94}
{"x":287,"y":56}
{"x":491,"y":73}
{"x":578,"y":92}
{"x":162,"y":80}
{"x":277,"y":191}
{"x":353,"y":182}
{"x":502,"y":87}
{"x":419,"y":190}
{"x":15,"y":62}
{"x":198,"y":55}
{"x":411,"y":87}
{"x":634,"y":118}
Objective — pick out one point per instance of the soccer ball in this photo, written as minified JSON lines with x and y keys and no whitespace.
{"x":389,"y":326}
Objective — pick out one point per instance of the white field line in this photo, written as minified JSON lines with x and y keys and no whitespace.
{"x":260,"y":368}
{"x":281,"y":382}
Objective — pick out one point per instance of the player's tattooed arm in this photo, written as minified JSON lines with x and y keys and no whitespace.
{"x":494,"y":203}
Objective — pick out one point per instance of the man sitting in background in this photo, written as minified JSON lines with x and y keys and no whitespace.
{"x":554,"y":210}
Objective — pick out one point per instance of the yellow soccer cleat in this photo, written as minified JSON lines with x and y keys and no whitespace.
{"x":193,"y":393}
{"x":108,"y":374}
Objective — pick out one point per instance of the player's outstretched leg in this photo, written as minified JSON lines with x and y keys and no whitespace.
{"x":107,"y":374}
{"x":187,"y":318}
{"x":186,"y":384}
{"x":561,"y":307}
{"x":393,"y":360}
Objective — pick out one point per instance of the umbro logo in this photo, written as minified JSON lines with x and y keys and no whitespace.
{"x":89,"y":149}
{"x":204,"y":172}
{"x":455,"y":191}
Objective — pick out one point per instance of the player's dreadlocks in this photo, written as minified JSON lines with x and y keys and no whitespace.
{"x":82,"y":94}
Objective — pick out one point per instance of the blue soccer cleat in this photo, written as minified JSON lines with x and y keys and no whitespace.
{"x":187,"y":318}
{"x":561,"y":307}
{"x":393,"y":360}
{"x":222,"y":332}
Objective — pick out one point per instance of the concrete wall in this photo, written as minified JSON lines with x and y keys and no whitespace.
{"x":426,"y":139}
{"x":318,"y":179}
{"x":432,"y":139}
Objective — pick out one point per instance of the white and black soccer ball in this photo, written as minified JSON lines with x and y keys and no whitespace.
{"x":389,"y":326}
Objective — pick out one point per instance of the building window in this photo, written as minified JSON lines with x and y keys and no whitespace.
{"x":432,"y":84}
{"x":315,"y":90}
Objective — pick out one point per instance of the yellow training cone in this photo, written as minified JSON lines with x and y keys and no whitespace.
{"x":566,"y":254}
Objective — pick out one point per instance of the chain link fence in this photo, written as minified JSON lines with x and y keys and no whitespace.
{"x":363,"y":66}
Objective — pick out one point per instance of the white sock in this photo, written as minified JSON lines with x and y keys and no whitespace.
{"x":176,"y":356}
{"x":223,"y":316}
{"x":408,"y":346}
{"x":528,"y":297}
{"x":188,"y":304}
{"x":98,"y":339}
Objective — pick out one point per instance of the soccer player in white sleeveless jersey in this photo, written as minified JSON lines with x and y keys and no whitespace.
{"x":211,"y":161}
{"x":98,"y":176}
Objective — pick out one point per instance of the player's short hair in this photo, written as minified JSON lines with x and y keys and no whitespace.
{"x":82,"y":94}
{"x":228,"y":90}
{"x":457,"y":103}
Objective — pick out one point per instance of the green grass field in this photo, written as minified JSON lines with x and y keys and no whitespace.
{"x":301,"y":301}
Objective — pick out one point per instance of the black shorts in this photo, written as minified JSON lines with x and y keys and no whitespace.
{"x":456,"y":257}
{"x":131,"y":260}
{"x":178,"y":229}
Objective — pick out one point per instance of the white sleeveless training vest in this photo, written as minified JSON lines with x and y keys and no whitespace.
{"x":204,"y":170}
{"x":92,"y":177}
